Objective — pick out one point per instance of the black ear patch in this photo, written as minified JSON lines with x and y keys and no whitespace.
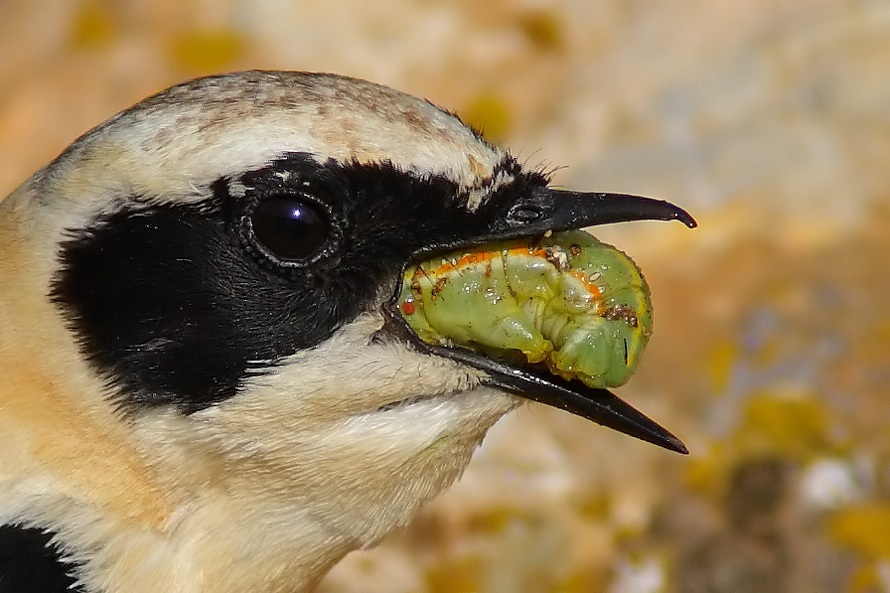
{"x":30,"y":563}
{"x":171,"y":306}
{"x":178,"y":302}
{"x":169,"y":309}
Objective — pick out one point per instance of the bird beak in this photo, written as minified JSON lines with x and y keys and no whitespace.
{"x":534,"y":214}
{"x":545,"y":209}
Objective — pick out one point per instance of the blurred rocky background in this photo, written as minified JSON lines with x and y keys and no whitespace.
{"x":769,"y":120}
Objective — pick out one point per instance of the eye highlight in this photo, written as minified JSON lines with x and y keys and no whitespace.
{"x":290,"y":229}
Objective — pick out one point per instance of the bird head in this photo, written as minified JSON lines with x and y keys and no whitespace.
{"x":204,"y":386}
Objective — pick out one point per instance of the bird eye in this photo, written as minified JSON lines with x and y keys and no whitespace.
{"x":291,"y":229}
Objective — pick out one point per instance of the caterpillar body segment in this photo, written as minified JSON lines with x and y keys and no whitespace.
{"x":570,"y":302}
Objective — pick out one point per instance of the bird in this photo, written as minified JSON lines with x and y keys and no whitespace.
{"x":204,"y":388}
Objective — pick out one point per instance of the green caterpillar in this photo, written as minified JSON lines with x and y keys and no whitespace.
{"x":569,"y":301}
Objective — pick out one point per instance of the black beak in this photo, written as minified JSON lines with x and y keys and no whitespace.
{"x":533,"y":214}
{"x":545,"y":209}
